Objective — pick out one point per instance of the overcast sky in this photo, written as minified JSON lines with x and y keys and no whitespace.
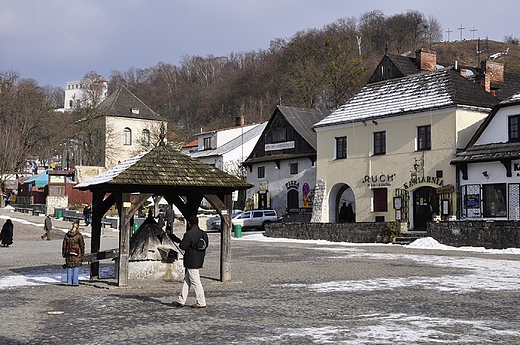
{"x":55,"y":41}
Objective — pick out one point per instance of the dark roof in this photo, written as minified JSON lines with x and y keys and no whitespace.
{"x":122,"y":102}
{"x":508,"y":88}
{"x":161,"y":168}
{"x":488,"y":153}
{"x":302,"y":120}
{"x":405,"y":64}
{"x":442,"y":88}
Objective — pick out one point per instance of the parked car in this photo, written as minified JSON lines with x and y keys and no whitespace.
{"x":256,"y":219}
{"x":213,"y":223}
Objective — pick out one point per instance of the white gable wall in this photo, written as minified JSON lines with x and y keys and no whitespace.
{"x":497,"y":131}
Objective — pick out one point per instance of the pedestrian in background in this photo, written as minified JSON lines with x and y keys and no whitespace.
{"x":194,"y":244}
{"x":47,"y":226}
{"x":87,"y":213}
{"x":72,"y":250}
{"x":160,"y":219}
{"x":170,"y":217}
{"x":7,"y":233}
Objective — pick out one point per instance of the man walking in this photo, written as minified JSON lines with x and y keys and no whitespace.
{"x":194,"y":243}
{"x":47,"y":226}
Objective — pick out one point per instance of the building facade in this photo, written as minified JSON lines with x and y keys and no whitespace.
{"x":282,"y":165}
{"x":387,"y":151}
{"x":488,"y":170}
{"x":80,"y":91}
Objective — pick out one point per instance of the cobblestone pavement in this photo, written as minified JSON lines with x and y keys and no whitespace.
{"x":280,"y":293}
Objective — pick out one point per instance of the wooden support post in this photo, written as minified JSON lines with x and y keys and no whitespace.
{"x":95,"y":244}
{"x":225,"y":240}
{"x":124,"y":239}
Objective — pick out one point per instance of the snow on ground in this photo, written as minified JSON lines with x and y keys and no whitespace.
{"x":474,"y":274}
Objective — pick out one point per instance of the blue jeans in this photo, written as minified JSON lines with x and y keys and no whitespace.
{"x":72,"y":275}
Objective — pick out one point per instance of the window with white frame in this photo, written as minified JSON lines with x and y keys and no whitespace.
{"x":127,"y":136}
{"x":145,"y":137}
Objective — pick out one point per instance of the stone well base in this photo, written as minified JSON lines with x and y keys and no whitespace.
{"x":156,"y":270}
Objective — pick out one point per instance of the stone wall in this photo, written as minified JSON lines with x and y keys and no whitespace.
{"x":334,"y":232}
{"x":489,"y":234}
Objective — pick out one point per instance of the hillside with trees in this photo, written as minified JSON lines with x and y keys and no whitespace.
{"x":319,"y":68}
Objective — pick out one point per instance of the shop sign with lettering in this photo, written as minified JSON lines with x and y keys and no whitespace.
{"x":425,"y":179}
{"x":383,"y":180}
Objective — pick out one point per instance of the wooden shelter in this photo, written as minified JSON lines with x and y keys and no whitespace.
{"x":162,"y":171}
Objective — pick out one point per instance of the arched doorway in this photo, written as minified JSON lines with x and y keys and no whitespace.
{"x":425,"y":206}
{"x":341,"y":194}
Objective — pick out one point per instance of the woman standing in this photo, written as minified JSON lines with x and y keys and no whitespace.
{"x":7,"y":233}
{"x":72,"y":250}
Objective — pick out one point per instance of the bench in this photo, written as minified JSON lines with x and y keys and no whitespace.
{"x":37,"y":212}
{"x":23,"y":209}
{"x":73,"y":218}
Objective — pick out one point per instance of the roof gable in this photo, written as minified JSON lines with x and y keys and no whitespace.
{"x":298,"y":123}
{"x":123,"y":103}
{"x":232,"y":144}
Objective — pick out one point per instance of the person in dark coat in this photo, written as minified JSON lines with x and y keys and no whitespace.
{"x":87,"y":214}
{"x":194,"y":243}
{"x":7,"y":233}
{"x":72,"y":250}
{"x":47,"y":226}
{"x":160,"y":219}
{"x":170,"y":217}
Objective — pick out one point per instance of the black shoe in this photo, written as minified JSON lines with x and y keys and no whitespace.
{"x":177,"y":304}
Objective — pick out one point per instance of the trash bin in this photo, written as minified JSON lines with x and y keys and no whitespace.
{"x":238,"y":230}
{"x":59,"y":214}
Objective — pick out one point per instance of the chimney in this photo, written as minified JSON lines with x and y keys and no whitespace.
{"x":239,"y":121}
{"x":426,"y":60}
{"x":494,"y":69}
{"x":483,"y":80}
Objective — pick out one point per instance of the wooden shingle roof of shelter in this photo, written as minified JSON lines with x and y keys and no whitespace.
{"x":162,"y":168}
{"x":123,"y":103}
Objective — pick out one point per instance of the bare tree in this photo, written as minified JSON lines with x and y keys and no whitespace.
{"x":25,"y":116}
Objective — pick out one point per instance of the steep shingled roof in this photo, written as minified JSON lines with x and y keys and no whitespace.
{"x":164,"y":167}
{"x":302,"y":120}
{"x":121,"y":102}
{"x":442,"y":88}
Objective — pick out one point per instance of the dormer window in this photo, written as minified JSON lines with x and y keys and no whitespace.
{"x":207,"y":143}
{"x":135,"y":111}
